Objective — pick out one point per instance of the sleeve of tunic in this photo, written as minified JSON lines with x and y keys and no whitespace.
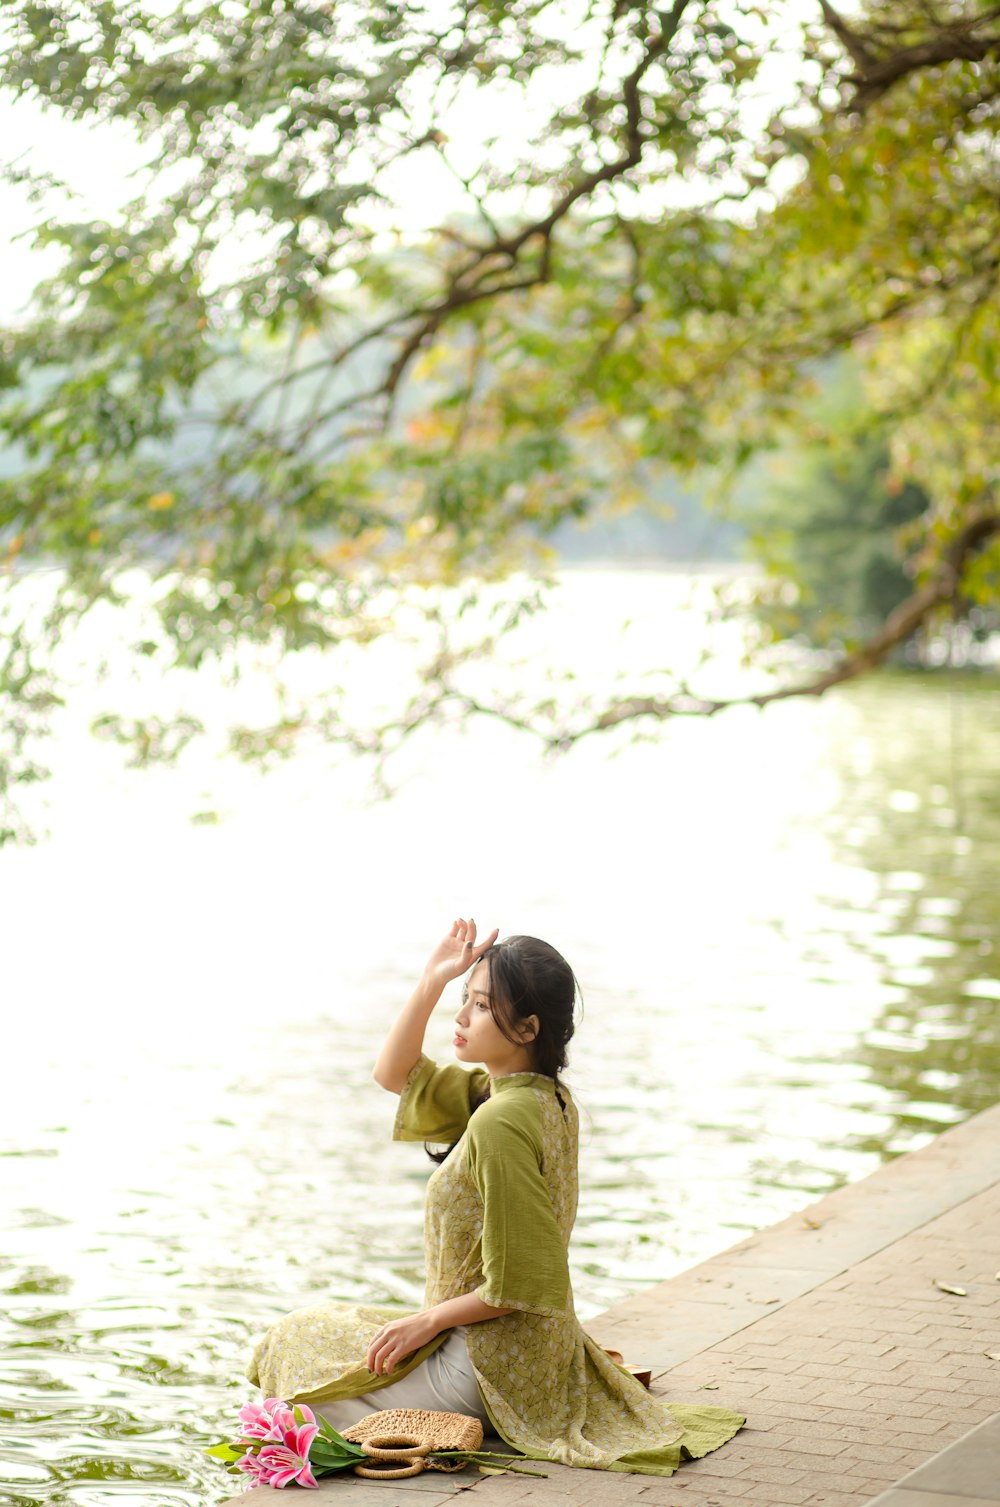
{"x":523,"y":1254}
{"x":436,"y":1102}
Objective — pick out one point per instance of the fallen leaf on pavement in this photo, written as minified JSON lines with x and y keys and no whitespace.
{"x":959,"y":1292}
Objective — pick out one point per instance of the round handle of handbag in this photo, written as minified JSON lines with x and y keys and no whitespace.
{"x":393,"y":1456}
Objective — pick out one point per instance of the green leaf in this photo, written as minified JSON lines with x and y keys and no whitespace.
{"x":327,"y":1431}
{"x":225,"y":1452}
{"x":324,"y":1448}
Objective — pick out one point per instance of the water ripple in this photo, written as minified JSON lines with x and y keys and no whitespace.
{"x":803,"y":984}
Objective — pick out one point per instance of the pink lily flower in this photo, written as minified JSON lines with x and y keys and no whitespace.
{"x":279,"y":1465}
{"x":251,"y":1466}
{"x":259,"y":1420}
{"x":269,"y":1420}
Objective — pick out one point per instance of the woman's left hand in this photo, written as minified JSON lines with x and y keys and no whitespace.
{"x":398,"y":1339}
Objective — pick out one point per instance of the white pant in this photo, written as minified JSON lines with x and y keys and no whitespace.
{"x":444,"y":1383}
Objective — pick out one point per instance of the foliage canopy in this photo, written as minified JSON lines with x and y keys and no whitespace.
{"x":261,"y":387}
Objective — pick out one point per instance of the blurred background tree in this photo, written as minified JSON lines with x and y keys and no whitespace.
{"x":827,"y":519}
{"x":277,"y":403}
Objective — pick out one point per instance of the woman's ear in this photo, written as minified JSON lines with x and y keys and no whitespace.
{"x":528,"y":1028}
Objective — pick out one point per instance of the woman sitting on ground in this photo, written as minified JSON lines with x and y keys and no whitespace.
{"x":498,"y":1338}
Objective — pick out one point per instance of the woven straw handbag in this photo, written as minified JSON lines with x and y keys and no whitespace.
{"x":399,"y":1440}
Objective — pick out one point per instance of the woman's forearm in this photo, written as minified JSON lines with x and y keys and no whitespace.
{"x":405,"y":1041}
{"x":454,"y":955}
{"x":398,"y":1338}
{"x":468,"y":1309}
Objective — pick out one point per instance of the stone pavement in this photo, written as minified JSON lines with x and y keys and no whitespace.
{"x":965,"y":1475}
{"x":833,"y":1333}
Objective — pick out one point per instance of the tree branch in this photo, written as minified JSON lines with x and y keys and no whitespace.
{"x":879,"y":62}
{"x":943,"y":587}
{"x":479,"y":277}
{"x":853,"y":44}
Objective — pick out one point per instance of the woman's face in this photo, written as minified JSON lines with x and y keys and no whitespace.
{"x":478,"y":1038}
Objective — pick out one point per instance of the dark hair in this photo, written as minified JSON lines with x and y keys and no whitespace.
{"x":528,"y":977}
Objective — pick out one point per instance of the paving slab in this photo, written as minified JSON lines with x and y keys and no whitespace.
{"x":968,"y":1471}
{"x":431,"y":1489}
{"x":694,"y":1310}
{"x":898,"y":1496}
{"x":835,"y":1333}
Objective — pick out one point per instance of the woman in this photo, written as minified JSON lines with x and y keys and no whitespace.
{"x":498,"y":1338}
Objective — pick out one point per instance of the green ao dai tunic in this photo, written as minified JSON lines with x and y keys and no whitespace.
{"x":499,"y":1214}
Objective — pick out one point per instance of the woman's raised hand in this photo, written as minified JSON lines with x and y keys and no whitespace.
{"x":457,"y":952}
{"x":453,"y":956}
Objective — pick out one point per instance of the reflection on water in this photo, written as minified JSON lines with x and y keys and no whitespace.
{"x":925,"y":824}
{"x":784,"y":926}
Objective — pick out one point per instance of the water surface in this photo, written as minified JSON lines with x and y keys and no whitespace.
{"x":784,"y":925}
